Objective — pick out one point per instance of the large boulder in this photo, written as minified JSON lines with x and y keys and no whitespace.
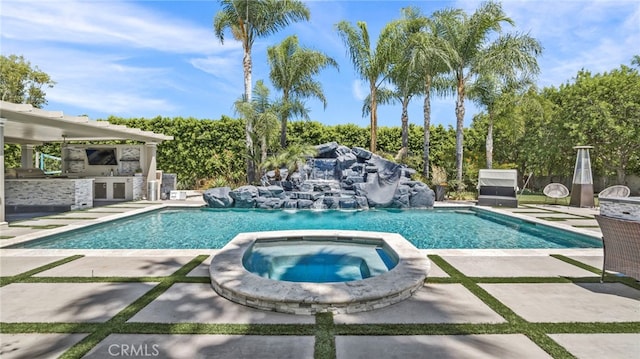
{"x":270,"y":191}
{"x":361,"y":153}
{"x":245,"y":196}
{"x":327,"y":150}
{"x":324,"y":169}
{"x":344,"y":162}
{"x":338,"y":177}
{"x":218,"y":197}
{"x":305,"y":203}
{"x":421,"y":196}
{"x":269,"y":203}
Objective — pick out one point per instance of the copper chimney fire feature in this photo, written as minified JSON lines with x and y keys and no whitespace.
{"x":582,"y":185}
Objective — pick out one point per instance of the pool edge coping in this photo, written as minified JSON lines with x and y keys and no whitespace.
{"x":231,"y":280}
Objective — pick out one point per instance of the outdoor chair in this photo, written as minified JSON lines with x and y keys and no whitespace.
{"x":498,"y":188}
{"x":617,"y":191}
{"x":621,"y":245}
{"x":556,"y":191}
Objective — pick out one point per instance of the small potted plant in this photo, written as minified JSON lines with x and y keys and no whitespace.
{"x":138,"y":172}
{"x":439,"y":180}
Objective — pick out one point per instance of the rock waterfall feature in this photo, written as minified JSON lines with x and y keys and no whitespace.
{"x":337,"y":178}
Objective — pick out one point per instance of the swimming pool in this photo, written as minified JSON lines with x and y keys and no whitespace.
{"x":212,"y":228}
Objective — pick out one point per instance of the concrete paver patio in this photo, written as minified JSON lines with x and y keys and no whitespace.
{"x":434,"y":303}
{"x":204,"y":346}
{"x":107,"y":302}
{"x":569,"y":302}
{"x":438,"y":346}
{"x":533,"y":266}
{"x":10,"y":266}
{"x":117,"y":267}
{"x":598,"y":346}
{"x":66,"y":302}
{"x":198,"y":303}
{"x":22,"y":346}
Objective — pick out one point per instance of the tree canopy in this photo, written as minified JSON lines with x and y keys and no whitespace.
{"x":20,"y":82}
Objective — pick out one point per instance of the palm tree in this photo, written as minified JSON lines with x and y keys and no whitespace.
{"x":248,"y":20}
{"x":429,"y":58}
{"x":405,"y":77}
{"x":290,"y":158}
{"x":292,"y":71}
{"x":261,"y":113}
{"x":474,"y":53}
{"x":495,"y":93}
{"x":371,"y":65}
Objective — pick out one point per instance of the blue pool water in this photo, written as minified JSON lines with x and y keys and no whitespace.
{"x":317,"y":261}
{"x":211,"y":228}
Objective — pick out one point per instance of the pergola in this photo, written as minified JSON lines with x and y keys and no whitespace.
{"x":28,"y":126}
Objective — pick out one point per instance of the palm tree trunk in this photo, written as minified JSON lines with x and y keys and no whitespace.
{"x":489,"y":142}
{"x":263,"y":149}
{"x":426,"y":110}
{"x":283,"y":131}
{"x":459,"y":132}
{"x":284,"y":119}
{"x":248,"y":130}
{"x":374,"y":118}
{"x":405,"y":127}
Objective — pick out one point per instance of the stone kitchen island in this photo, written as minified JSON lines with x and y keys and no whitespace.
{"x":48,"y":194}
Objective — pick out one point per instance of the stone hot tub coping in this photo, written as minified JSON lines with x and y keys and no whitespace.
{"x":233,"y":281}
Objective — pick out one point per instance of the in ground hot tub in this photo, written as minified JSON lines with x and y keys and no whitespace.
{"x":317,"y":260}
{"x":311,"y":271}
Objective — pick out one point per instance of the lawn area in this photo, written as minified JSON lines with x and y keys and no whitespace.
{"x":542,"y":199}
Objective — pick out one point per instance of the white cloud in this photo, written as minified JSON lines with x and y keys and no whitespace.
{"x":594,"y":35}
{"x":113,"y":86}
{"x":125,"y":103}
{"x":222,"y":67}
{"x":359,"y":90}
{"x":111,"y":23}
{"x":102,"y":53}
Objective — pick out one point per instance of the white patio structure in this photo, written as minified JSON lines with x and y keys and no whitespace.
{"x":27,"y":126}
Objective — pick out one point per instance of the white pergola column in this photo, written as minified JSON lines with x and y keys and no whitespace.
{"x":26,"y":156}
{"x":2,"y":200}
{"x":151,"y":165}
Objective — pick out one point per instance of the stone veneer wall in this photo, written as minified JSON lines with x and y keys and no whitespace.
{"x":138,"y":187}
{"x":622,"y":208}
{"x":75,"y":193}
{"x":83,"y":194}
{"x":128,"y":161}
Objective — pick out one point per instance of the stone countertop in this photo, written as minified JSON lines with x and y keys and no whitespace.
{"x":621,"y":199}
{"x":623,"y":208}
{"x":56,"y":178}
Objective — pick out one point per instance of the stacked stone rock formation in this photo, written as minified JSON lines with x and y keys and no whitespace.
{"x":337,"y":178}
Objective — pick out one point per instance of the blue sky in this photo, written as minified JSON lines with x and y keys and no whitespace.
{"x":149,"y":58}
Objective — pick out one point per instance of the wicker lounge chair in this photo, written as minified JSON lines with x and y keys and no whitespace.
{"x":617,"y":191}
{"x":498,"y":188}
{"x":621,"y":245}
{"x":556,"y":191}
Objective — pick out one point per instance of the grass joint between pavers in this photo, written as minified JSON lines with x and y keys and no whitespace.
{"x":324,"y":329}
{"x":538,"y":337}
{"x":26,"y":275}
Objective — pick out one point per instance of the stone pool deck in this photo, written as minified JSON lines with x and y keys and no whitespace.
{"x":159,"y":303}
